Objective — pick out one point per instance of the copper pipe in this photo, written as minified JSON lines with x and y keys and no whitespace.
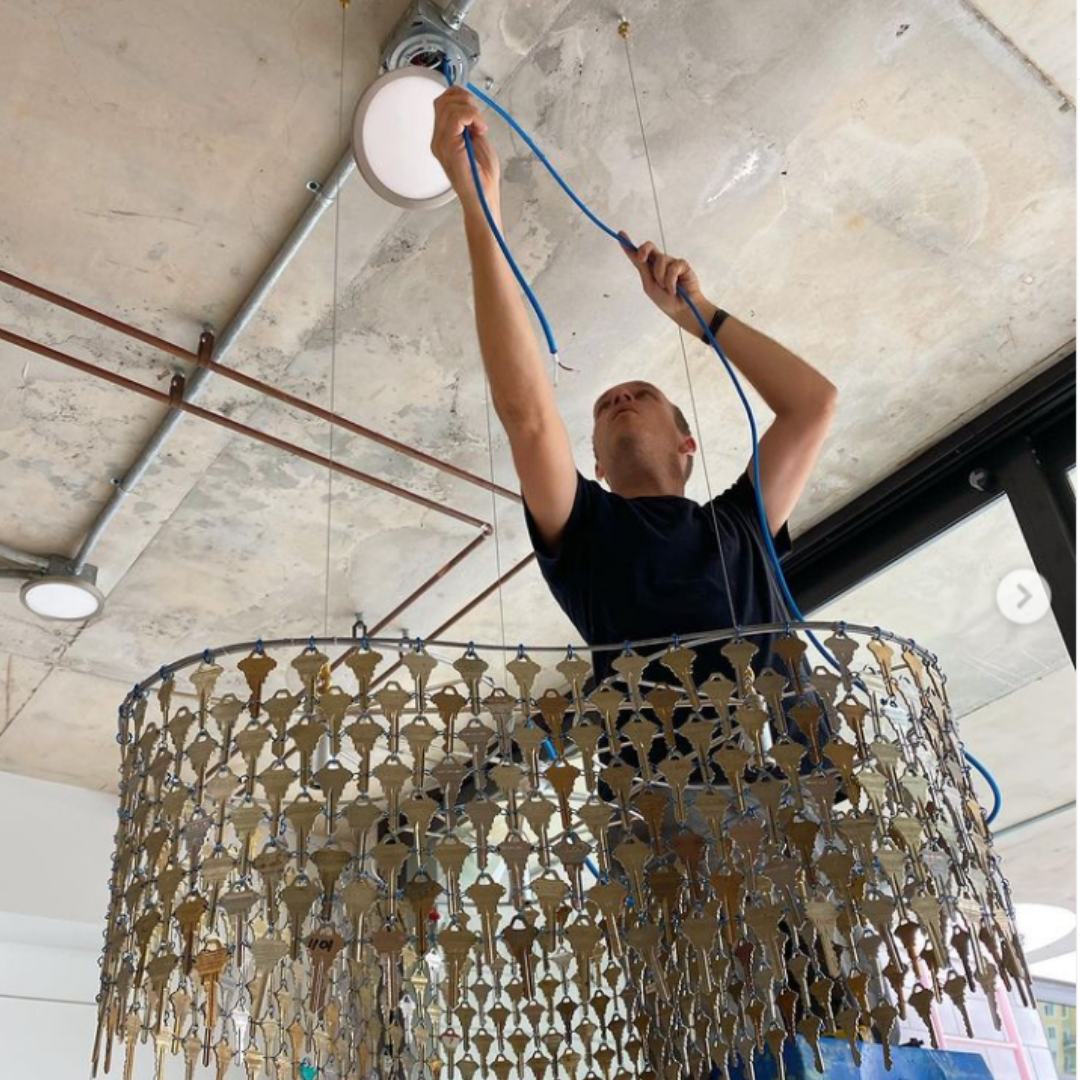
{"x":415,"y":595}
{"x":431,"y":582}
{"x":350,"y":425}
{"x":175,"y":400}
{"x":477,"y":600}
{"x":461,"y":612}
{"x":204,"y":359}
{"x":96,"y":316}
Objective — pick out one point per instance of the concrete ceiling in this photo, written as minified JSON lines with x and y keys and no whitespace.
{"x":888,"y":189}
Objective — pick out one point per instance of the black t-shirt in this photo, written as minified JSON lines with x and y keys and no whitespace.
{"x":649,"y":567}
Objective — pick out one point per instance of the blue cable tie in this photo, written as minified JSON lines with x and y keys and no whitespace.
{"x":311,"y":643}
{"x":260,"y":649}
{"x":208,"y":658}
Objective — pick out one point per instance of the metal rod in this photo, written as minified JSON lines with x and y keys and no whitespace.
{"x":324,"y":199}
{"x":215,"y":367}
{"x":1035,"y":819}
{"x":24,"y":574}
{"x":13,"y":554}
{"x":95,"y":316}
{"x":431,"y":582}
{"x":340,"y":421}
{"x":690,"y":640}
{"x":411,"y":599}
{"x":462,"y":612}
{"x":180,"y":403}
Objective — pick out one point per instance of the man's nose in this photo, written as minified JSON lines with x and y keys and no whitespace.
{"x":622,"y":395}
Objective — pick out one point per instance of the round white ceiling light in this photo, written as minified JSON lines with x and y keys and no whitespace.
{"x":395,"y":118}
{"x":67,"y":597}
{"x":1041,"y":925}
{"x":392,"y":132}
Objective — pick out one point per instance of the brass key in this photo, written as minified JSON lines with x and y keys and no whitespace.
{"x":189,"y":917}
{"x":482,"y":814}
{"x":809,"y":1027}
{"x":324,"y":946}
{"x":471,"y":669}
{"x":449,"y":775}
{"x":884,"y":1017}
{"x":449,"y":703}
{"x":209,"y":964}
{"x":586,"y":737}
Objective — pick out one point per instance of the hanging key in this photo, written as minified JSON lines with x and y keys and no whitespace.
{"x":209,"y":965}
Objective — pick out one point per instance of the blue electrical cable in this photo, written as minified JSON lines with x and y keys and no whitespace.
{"x":627,"y":243}
{"x":985,"y":773}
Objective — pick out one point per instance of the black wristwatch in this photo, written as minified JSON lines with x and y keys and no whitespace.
{"x":715,"y":324}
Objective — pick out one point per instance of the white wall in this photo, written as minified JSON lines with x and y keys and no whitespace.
{"x":55,"y":856}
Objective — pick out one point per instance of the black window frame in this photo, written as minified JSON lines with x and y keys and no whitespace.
{"x":1021,"y":447}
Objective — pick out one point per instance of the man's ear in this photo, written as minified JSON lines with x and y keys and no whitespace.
{"x":688,"y":445}
{"x":598,"y":469}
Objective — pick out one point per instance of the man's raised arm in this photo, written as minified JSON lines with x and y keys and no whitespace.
{"x":516,"y":371}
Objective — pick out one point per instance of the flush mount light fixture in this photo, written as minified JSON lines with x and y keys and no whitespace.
{"x":1043,"y":925}
{"x":64,"y":593}
{"x":395,"y":118}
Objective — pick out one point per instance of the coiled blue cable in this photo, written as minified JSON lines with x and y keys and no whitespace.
{"x":793,"y":607}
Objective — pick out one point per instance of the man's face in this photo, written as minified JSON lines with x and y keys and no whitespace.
{"x":635,"y":421}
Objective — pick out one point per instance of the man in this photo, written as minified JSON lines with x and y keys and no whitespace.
{"x":641,"y":560}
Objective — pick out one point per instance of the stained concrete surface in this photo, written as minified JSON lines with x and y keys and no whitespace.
{"x":886,"y":188}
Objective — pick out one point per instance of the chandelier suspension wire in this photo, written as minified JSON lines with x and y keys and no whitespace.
{"x":624,"y":33}
{"x":333,"y":333}
{"x":495,"y":521}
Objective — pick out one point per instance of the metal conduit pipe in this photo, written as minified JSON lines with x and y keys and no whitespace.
{"x":325,"y":196}
{"x":455,"y":12}
{"x":23,"y":558}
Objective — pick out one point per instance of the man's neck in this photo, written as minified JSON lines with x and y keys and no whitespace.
{"x":646,"y":484}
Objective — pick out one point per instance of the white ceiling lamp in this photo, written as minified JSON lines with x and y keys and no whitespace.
{"x":395,"y":118}
{"x":63,"y":592}
{"x":1043,"y":925}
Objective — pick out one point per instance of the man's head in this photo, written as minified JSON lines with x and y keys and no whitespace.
{"x":641,"y":440}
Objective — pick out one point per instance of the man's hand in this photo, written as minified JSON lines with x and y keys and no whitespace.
{"x":661,"y":277}
{"x":456,"y":110}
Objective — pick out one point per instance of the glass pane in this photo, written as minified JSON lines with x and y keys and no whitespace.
{"x":944,"y":595}
{"x":1071,"y":474}
{"x":1059,"y":1023}
{"x":1012,"y":686}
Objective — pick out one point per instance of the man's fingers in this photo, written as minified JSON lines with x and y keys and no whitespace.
{"x":660,"y":268}
{"x":456,"y":110}
{"x":675,"y":270}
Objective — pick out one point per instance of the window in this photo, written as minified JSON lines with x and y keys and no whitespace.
{"x":1011,"y":686}
{"x":1057,"y":1009}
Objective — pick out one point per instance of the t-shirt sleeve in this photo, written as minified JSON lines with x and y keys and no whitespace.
{"x":741,"y":499}
{"x":574,"y":534}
